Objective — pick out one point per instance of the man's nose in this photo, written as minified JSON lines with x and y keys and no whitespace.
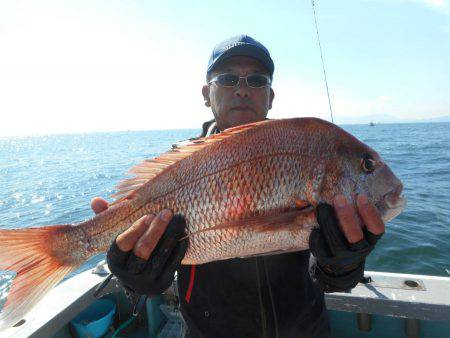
{"x":242,"y":89}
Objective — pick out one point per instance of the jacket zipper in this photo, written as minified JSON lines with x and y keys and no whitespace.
{"x":261,"y":305}
{"x":272,"y":302}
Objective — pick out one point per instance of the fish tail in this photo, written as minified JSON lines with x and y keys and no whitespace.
{"x":30,"y":258}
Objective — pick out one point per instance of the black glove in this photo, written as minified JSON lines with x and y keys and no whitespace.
{"x":335,"y":264}
{"x":153,"y":276}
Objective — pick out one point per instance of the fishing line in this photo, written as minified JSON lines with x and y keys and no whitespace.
{"x":321,"y":57}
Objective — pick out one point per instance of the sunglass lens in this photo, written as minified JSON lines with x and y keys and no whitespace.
{"x":257,"y":81}
{"x":228,"y":80}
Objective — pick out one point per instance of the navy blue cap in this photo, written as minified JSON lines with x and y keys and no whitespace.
{"x":241,"y":45}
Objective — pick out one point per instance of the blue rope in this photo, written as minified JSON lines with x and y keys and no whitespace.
{"x":136,"y":310}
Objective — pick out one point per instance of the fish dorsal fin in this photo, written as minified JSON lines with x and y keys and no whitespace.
{"x":150,"y":168}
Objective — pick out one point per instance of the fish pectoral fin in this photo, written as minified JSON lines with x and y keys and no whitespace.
{"x":302,"y":204}
{"x":285,"y":220}
{"x":282,"y":220}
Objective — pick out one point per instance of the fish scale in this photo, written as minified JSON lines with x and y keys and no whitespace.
{"x":257,"y":193}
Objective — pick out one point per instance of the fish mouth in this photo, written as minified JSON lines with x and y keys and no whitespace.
{"x":394,"y":203}
{"x":394,"y":198}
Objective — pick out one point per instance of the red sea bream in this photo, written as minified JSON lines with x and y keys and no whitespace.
{"x":247,"y":191}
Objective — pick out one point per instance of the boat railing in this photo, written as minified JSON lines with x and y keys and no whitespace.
{"x":413,"y":297}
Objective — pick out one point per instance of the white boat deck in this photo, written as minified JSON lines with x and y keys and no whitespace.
{"x":400,"y":295}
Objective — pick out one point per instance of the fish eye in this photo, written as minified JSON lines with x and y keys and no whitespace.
{"x":368,"y":164}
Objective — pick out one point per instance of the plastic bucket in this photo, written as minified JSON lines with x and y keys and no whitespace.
{"x":155,"y":318}
{"x":94,"y":321}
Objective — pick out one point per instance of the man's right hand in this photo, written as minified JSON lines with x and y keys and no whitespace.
{"x":145,"y":256}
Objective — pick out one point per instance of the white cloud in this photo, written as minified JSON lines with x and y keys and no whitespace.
{"x":294,"y":98}
{"x":66,"y":71}
{"x":437,"y":3}
{"x":83,"y":69}
{"x":441,"y":5}
{"x":383,"y":99}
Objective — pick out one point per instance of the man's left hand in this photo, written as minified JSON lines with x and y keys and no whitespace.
{"x":349,"y":221}
{"x":341,"y":244}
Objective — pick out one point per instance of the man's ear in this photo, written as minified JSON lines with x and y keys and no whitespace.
{"x":271,"y":97}
{"x":205,"y":93}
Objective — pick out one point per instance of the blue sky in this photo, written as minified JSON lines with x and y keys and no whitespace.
{"x":82,"y":66}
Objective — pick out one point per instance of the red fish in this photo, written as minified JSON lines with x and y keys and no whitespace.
{"x":247,"y":191}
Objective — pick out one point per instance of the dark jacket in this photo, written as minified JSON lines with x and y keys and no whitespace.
{"x":267,"y":296}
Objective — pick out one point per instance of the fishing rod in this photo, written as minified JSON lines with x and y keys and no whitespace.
{"x":321,"y":57}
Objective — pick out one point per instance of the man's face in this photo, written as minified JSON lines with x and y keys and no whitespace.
{"x":240,"y":104}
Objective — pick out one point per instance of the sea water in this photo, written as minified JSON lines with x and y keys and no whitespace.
{"x":47,"y":180}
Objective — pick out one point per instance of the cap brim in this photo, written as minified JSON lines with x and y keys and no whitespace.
{"x":245,"y":50}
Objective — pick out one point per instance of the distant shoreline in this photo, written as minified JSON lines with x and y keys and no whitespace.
{"x":194,"y":130}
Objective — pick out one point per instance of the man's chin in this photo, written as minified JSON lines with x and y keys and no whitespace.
{"x":239,"y":117}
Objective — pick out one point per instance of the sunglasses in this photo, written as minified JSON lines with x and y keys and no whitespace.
{"x":232,"y":80}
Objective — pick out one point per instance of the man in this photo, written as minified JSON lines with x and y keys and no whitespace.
{"x":267,"y":296}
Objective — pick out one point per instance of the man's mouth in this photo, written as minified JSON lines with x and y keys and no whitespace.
{"x":242,"y":108}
